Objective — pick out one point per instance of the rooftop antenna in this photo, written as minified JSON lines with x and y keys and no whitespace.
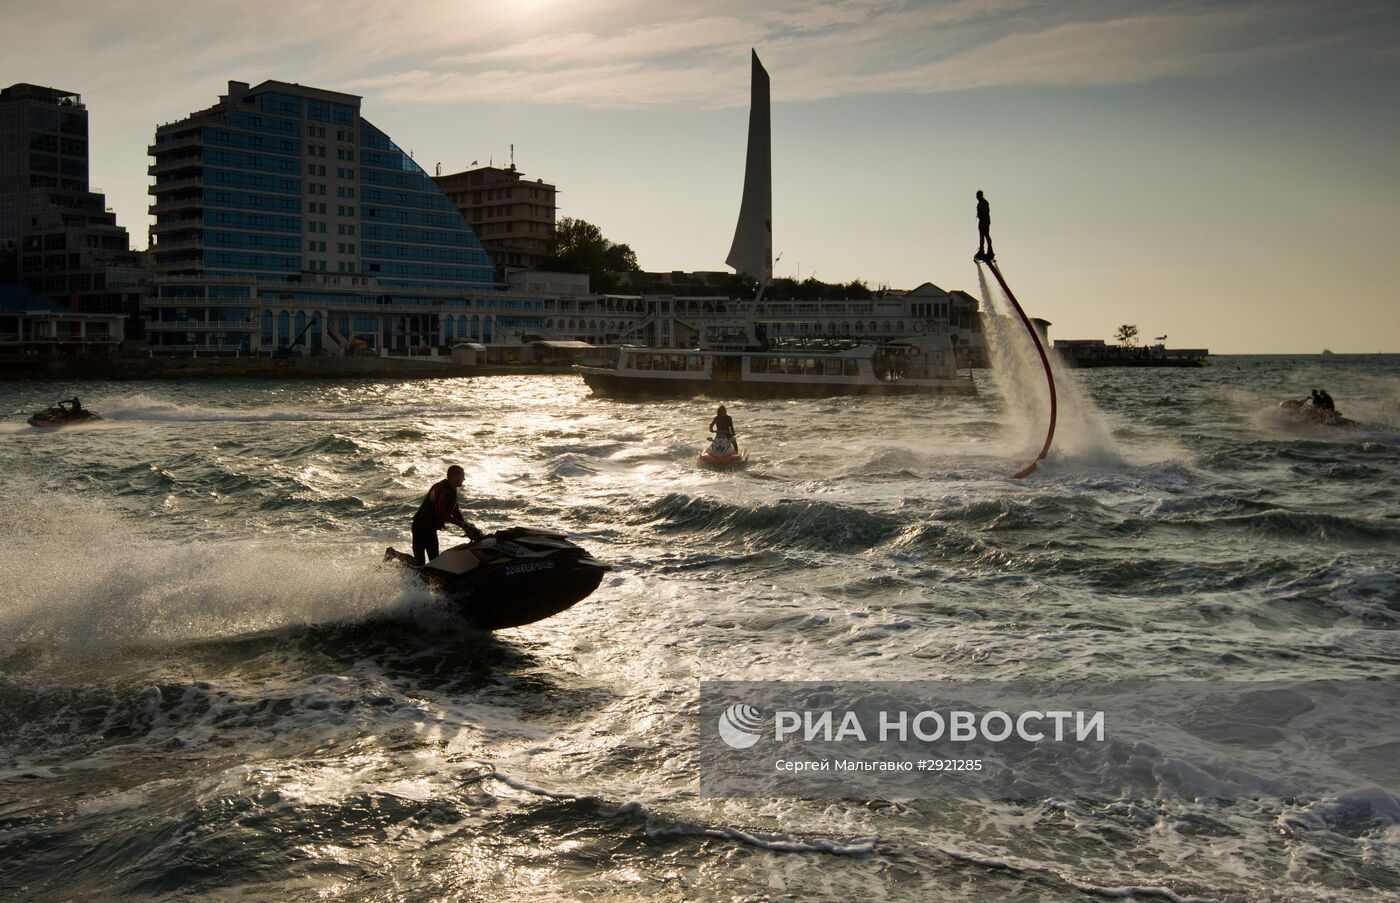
{"x":439,"y":169}
{"x":512,"y":156}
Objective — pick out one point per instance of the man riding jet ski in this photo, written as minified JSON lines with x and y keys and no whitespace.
{"x":1319,"y":408}
{"x":512,"y":577}
{"x":68,"y":412}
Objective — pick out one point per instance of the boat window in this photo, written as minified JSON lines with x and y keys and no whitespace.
{"x":642,"y":361}
{"x":758,"y":365}
{"x":852,"y":367}
{"x":677,"y":361}
{"x":695,"y":362}
{"x":811,"y":366}
{"x":833,"y":366}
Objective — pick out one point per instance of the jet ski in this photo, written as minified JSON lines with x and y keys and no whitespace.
{"x":509,"y":578}
{"x":1301,"y":410}
{"x":722,"y":453}
{"x":62,"y":414}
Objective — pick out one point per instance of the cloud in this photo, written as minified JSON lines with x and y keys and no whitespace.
{"x":611,"y":53}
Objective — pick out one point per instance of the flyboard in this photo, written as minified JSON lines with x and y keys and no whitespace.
{"x":1044,"y":361}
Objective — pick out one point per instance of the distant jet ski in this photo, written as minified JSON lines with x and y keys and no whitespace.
{"x":512,"y":577}
{"x":1301,"y":410}
{"x":62,"y":414}
{"x":723,"y":453}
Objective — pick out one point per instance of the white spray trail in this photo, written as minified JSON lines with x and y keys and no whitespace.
{"x":1082,"y":435}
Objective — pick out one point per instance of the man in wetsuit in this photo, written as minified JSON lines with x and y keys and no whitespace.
{"x":984,"y":230}
{"x":439,"y":509}
{"x":723,"y":425}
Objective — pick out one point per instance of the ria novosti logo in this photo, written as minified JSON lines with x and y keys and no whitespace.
{"x":740,"y":726}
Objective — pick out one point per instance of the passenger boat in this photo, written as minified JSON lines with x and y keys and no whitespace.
{"x":748,"y":368}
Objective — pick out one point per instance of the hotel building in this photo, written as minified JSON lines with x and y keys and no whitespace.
{"x":285,"y":220}
{"x":513,"y":217}
{"x":57,"y":237}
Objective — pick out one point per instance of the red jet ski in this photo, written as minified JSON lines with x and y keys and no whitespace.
{"x":723,"y":452}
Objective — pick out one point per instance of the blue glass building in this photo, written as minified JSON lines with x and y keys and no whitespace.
{"x":285,"y":219}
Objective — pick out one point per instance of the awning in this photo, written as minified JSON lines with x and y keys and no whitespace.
{"x":561,"y":344}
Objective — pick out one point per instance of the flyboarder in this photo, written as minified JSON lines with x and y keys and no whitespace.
{"x":984,"y":230}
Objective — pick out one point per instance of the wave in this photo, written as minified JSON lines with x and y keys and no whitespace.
{"x":658,"y":825}
{"x":791,"y":523}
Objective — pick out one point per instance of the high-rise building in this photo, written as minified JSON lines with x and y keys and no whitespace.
{"x":513,"y":217}
{"x":57,"y":236}
{"x":284,"y":218}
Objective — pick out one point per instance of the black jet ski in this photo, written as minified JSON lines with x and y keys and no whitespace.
{"x":61,"y":415}
{"x":512,"y":577}
{"x":1302,"y":411}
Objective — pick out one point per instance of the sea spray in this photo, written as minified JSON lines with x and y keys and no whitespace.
{"x":1082,"y":434}
{"x":81,"y":576}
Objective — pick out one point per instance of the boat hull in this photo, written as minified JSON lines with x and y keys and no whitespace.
{"x":49,"y":420}
{"x":609,"y":383}
{"x":511,"y":588}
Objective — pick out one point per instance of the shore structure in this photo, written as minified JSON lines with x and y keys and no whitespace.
{"x":729,"y":353}
{"x":286,"y":223}
{"x":289,"y":226}
{"x":513,"y":217}
{"x":58,"y":239}
{"x":1097,"y":353}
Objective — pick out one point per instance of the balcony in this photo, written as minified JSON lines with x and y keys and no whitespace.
{"x":178,"y":244}
{"x":172,"y":205}
{"x":177,"y":164}
{"x":161,"y":147}
{"x":195,"y":222}
{"x":202,"y":325}
{"x":190,"y":181}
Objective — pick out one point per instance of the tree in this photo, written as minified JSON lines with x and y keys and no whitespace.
{"x":1127,"y":334}
{"x":579,"y":247}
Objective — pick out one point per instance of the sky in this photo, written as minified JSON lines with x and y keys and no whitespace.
{"x":1225,"y":174}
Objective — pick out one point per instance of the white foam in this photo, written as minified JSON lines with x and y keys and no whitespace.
{"x":80,"y":576}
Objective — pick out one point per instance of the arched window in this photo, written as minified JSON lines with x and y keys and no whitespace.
{"x":284,"y":328}
{"x":487,"y":328}
{"x":476,"y":327}
{"x":447,"y":325}
{"x":266,"y":323}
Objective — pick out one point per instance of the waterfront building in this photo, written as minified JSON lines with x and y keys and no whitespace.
{"x":57,"y":236}
{"x":35,"y":330}
{"x":286,"y":221}
{"x":678,"y":321}
{"x":513,"y":217}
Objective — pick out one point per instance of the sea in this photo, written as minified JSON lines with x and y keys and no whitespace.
{"x":212,"y":688}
